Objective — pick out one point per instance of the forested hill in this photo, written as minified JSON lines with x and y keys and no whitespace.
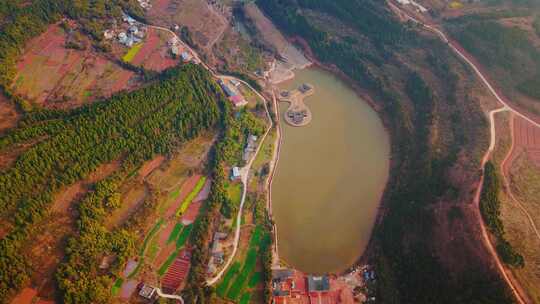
{"x":425,"y":248}
{"x":129,"y":127}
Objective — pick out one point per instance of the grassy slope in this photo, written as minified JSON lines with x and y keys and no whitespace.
{"x":506,"y":50}
{"x":525,"y":180}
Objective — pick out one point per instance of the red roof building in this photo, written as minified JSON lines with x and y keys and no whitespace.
{"x":238,"y":100}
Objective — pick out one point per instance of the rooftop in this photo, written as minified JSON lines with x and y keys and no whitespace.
{"x":318,"y":283}
{"x":147,"y":291}
{"x":282,"y":274}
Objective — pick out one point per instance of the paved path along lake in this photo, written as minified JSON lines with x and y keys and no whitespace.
{"x":330,"y":177}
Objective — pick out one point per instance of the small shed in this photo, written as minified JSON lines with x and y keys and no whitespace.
{"x":122,"y":37}
{"x":185,"y":56}
{"x":235,"y":173}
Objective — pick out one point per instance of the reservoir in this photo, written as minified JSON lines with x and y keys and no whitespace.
{"x":330,"y":177}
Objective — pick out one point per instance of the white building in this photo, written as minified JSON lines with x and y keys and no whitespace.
{"x":235,"y":173}
{"x":122,"y":37}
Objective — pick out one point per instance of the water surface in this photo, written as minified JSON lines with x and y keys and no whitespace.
{"x":330,"y":177}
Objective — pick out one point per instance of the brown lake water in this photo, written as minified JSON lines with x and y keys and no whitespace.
{"x":330,"y":177}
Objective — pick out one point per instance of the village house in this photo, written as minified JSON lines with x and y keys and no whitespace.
{"x":147,"y":292}
{"x":186,"y":57}
{"x":108,"y":34}
{"x":318,"y":284}
{"x":250,"y":148}
{"x":175,"y":50}
{"x":234,"y":96}
{"x":235,"y":173}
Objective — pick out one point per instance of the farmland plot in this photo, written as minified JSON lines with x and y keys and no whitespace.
{"x":54,"y":76}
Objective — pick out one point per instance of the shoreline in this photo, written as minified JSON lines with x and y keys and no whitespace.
{"x":393,"y":160}
{"x":367,"y":251}
{"x":274,"y":164}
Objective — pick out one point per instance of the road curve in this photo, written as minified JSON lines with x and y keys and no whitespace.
{"x":485,"y":235}
{"x":244,"y":175}
{"x":514,"y":287}
{"x":244,"y":172}
{"x":506,"y":107}
{"x":169,"y":296}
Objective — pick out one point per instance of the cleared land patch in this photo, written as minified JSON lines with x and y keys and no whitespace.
{"x":187,"y":201}
{"x":8,"y":114}
{"x":204,"y":24}
{"x":52,"y":75}
{"x":132,"y":52}
{"x":524,"y":177}
{"x":150,"y":166}
{"x":153,"y":53}
{"x":527,"y":139}
{"x":525,"y":183}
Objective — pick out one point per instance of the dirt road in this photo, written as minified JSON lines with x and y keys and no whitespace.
{"x":245,"y":170}
{"x":514,"y":286}
{"x":244,"y":175}
{"x":506,"y":181}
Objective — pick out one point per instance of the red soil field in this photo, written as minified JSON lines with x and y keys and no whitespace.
{"x":63,"y":199}
{"x":160,"y":5}
{"x":191,"y":213}
{"x":188,"y":185}
{"x":177,"y":272}
{"x":56,"y":77}
{"x":8,"y":156}
{"x":164,"y":234}
{"x":127,"y":289}
{"x":150,"y":166}
{"x":163,"y":254}
{"x":25,"y":296}
{"x":527,"y":138}
{"x":205,"y":191}
{"x":154,"y":54}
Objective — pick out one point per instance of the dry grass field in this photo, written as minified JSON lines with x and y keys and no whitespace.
{"x":524,"y":176}
{"x":204,"y":24}
{"x":525,"y":183}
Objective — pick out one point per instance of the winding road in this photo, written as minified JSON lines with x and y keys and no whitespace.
{"x":516,"y":289}
{"x":169,"y":296}
{"x":244,"y":172}
{"x":244,"y":175}
{"x":507,"y":186}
